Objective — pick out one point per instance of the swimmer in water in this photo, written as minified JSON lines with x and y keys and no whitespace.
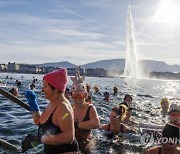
{"x":164,"y":106}
{"x":174,"y":114}
{"x":117,"y":116}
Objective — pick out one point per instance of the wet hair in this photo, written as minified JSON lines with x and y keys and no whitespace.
{"x":120,"y":110}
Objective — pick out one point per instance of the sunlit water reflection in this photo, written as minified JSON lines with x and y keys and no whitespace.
{"x":16,"y":122}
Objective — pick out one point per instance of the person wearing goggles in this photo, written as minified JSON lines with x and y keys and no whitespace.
{"x":116,"y":126}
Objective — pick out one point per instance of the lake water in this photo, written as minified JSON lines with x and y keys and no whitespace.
{"x":16,"y":122}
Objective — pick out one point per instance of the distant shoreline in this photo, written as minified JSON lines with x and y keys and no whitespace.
{"x":152,"y":75}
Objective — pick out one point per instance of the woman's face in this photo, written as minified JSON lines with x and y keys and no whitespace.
{"x":174,"y":118}
{"x":128,"y":100}
{"x":47,"y":90}
{"x":114,"y":117}
{"x":165,"y":106}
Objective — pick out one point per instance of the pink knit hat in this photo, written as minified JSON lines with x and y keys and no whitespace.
{"x":58,"y":79}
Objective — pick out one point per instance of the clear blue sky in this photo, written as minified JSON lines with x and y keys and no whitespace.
{"x":82,"y":31}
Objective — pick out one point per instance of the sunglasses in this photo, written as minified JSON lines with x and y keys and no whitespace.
{"x":79,"y":96}
{"x":114,"y":117}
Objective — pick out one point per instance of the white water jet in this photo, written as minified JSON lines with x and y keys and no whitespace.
{"x":131,"y":62}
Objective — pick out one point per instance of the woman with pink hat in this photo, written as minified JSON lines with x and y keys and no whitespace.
{"x":56,"y":123}
{"x":85,"y":114}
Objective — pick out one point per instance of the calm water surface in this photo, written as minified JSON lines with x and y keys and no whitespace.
{"x":16,"y":122}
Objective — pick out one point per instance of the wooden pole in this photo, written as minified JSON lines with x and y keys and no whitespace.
{"x":9,"y":145}
{"x":14,"y":99}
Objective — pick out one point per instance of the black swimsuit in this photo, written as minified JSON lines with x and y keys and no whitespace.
{"x":110,"y":134}
{"x":83,"y":134}
{"x":110,"y":125}
{"x":49,"y":128}
{"x":159,"y":151}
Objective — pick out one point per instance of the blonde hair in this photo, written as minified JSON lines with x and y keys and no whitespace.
{"x":164,"y":100}
{"x":120,"y":110}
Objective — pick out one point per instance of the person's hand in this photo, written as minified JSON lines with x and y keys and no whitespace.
{"x":32,"y":100}
{"x":29,"y":142}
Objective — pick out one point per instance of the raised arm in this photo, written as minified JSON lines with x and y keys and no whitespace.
{"x":34,"y":107}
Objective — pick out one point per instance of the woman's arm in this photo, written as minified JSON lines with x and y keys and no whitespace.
{"x":36,"y":117}
{"x":94,"y":121}
{"x":105,"y":126}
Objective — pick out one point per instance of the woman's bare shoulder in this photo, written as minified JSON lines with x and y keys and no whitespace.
{"x":64,"y":108}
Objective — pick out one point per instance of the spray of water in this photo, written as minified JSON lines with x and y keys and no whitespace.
{"x":131,"y":69}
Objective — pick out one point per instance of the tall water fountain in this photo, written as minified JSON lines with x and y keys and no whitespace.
{"x":131,"y":62}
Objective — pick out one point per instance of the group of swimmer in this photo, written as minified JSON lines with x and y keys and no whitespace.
{"x":66,"y":123}
{"x":66,"y":127}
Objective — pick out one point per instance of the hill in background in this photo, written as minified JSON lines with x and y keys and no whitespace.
{"x":118,"y":64}
{"x":62,"y":64}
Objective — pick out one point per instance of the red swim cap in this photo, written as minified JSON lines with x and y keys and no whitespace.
{"x":57,"y":79}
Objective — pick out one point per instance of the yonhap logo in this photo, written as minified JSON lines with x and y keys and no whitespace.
{"x":147,"y":139}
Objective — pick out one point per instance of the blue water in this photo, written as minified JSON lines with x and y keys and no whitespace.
{"x":16,"y":122}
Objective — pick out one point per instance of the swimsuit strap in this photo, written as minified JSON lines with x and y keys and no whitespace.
{"x":159,"y":152}
{"x":86,"y":117}
{"x":48,"y":122}
{"x":109,"y":126}
{"x":121,"y":128}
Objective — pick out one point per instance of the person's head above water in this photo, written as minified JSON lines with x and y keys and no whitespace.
{"x":164,"y":104}
{"x":175,"y":107}
{"x":96,"y":89}
{"x":78,"y":87}
{"x":57,"y":79}
{"x":14,"y":91}
{"x":119,"y":112}
{"x":174,"y":114}
{"x":115,"y":90}
{"x":128,"y":98}
{"x":164,"y":100}
{"x":106,"y":95}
